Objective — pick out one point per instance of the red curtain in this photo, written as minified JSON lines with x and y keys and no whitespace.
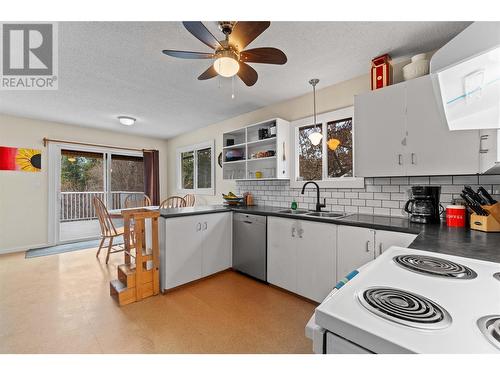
{"x":152,"y":176}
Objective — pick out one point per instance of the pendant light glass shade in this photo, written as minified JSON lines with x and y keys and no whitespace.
{"x":315,"y":137}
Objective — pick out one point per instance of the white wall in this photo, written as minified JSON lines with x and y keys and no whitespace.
{"x":23,"y":195}
{"x":327,"y":99}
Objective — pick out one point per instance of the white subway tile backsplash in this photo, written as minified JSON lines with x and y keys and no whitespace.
{"x":365,"y":195}
{"x":381,"y":180}
{"x":365,"y":210}
{"x":390,"y":188}
{"x":467,"y":180}
{"x":373,"y":188}
{"x":381,"y":195}
{"x":373,"y":203}
{"x":420,"y":180}
{"x":493,"y":179}
{"x":382,"y":211}
{"x":390,"y":204}
{"x":399,"y":180}
{"x":441,"y":180}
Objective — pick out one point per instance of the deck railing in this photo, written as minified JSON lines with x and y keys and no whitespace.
{"x":77,"y":205}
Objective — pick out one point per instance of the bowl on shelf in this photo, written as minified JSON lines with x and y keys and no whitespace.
{"x":232,"y":200}
{"x":233,"y":155}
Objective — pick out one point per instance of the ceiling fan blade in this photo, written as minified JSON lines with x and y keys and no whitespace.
{"x":199,"y":30}
{"x":188,"y":54}
{"x":244,"y":32}
{"x":247,"y":74}
{"x":265,"y":55}
{"x":207,"y":74}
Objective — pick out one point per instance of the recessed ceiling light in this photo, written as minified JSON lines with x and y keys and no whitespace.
{"x":126,"y":120}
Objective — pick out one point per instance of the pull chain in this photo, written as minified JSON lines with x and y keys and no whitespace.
{"x":232,"y":87}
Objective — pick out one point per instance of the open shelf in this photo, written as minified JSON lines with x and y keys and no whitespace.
{"x":247,"y":143}
{"x":239,"y":145}
{"x":261,"y":159}
{"x":234,"y":161}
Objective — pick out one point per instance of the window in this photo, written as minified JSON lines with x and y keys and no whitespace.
{"x":331,"y":162}
{"x":310,"y":156}
{"x":195,"y":168}
{"x":339,"y":148}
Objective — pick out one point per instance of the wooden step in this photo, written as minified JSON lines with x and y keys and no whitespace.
{"x":121,"y":293}
{"x":127,"y":275}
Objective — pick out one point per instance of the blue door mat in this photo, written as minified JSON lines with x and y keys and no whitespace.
{"x":68,"y":247}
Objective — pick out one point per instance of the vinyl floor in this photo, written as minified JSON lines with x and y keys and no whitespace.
{"x":61,"y":304}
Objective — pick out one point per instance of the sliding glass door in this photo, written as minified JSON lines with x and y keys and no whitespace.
{"x":127,"y":179}
{"x":85,"y":173}
{"x":82,"y":177}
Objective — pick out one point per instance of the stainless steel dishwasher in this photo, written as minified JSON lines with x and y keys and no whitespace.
{"x":250,"y":245}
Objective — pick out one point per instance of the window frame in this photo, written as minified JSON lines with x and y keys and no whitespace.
{"x":322,"y":120}
{"x":194,"y":148}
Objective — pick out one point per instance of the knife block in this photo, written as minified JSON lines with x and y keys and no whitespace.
{"x":490,"y":223}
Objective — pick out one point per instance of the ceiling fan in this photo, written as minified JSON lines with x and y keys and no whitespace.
{"x":229,"y":54}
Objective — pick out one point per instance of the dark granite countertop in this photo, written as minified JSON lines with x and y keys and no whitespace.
{"x":430,"y":237}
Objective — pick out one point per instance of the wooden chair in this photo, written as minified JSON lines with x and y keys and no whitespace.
{"x":189,"y":198}
{"x":135,"y":200}
{"x":173,"y":202}
{"x":108,"y":230}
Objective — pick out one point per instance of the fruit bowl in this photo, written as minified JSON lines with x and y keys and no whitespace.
{"x":232,"y":199}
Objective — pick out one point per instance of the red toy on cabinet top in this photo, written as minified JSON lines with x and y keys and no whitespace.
{"x":381,"y":72}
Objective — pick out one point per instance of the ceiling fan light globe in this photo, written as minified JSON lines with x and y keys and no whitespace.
{"x":315,"y":138}
{"x":226,"y":66}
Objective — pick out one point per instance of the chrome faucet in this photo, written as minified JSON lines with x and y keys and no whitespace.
{"x":319,"y":206}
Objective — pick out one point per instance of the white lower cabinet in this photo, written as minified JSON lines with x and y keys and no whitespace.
{"x":384,"y":239}
{"x":194,"y":247}
{"x":217,"y":243}
{"x":301,"y":256}
{"x":357,"y":246}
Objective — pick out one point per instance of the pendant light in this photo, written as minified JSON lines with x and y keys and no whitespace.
{"x":315,"y":137}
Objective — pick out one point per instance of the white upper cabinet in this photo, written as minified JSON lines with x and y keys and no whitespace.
{"x":399,"y":132}
{"x":432,"y":149}
{"x":378,"y":132}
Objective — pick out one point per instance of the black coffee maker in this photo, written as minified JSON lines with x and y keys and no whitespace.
{"x":423,"y":205}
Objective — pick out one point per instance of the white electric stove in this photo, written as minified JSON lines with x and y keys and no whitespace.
{"x":412,"y":301}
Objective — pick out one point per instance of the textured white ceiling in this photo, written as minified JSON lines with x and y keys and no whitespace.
{"x":108,"y":69}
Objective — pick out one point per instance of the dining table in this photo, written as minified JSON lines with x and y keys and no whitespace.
{"x":117,"y":213}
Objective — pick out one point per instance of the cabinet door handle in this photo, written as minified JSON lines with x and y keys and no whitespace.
{"x":205,"y":225}
{"x":300,"y":232}
{"x":413,"y":158}
{"x":481,"y":149}
{"x":198,"y":227}
{"x":293,"y":231}
{"x":400,"y":159}
{"x":380,"y":248}
{"x":368,"y":246}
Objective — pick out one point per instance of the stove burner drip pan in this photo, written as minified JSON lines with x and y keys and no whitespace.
{"x":405,"y":308}
{"x":433,"y":266}
{"x":490,"y":327}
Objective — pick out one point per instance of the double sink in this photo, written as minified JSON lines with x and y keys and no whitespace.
{"x":333,"y":215}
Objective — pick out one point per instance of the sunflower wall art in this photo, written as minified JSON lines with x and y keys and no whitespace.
{"x":20,"y":159}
